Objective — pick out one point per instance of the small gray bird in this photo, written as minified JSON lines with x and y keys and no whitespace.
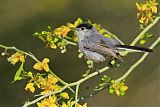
{"x":96,"y":46}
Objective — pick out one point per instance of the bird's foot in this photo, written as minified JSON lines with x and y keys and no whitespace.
{"x":97,"y":70}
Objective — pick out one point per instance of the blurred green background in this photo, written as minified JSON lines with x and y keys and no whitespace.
{"x":19,"y":19}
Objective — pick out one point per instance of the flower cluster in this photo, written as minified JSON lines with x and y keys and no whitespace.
{"x":16,"y":57}
{"x":105,"y":82}
{"x":46,"y":84}
{"x":113,"y":87}
{"x":64,"y":35}
{"x":49,"y":84}
{"x":61,"y":36}
{"x":146,"y":11}
{"x":52,"y":101}
{"x":102,"y":31}
{"x":117,"y":87}
{"x":42,"y":65}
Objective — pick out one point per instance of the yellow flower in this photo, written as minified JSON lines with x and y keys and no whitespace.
{"x":138,"y":6}
{"x":118,"y":92}
{"x":46,"y":91}
{"x":84,"y":105}
{"x":78,"y":21}
{"x":64,"y":105}
{"x":51,"y":79}
{"x":119,"y":88}
{"x":64,"y":95}
{"x":53,"y":46}
{"x":16,"y":57}
{"x":42,"y":65}
{"x":144,"y":7}
{"x":75,"y":39}
{"x":49,"y":37}
{"x":62,"y":31}
{"x":123,"y":88}
{"x":50,"y":84}
{"x":30,"y":87}
{"x":70,"y":25}
{"x":48,"y":102}
{"x":154,"y":9}
{"x":147,"y":11}
{"x":65,"y":31}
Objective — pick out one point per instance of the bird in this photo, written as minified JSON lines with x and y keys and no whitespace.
{"x":96,"y":47}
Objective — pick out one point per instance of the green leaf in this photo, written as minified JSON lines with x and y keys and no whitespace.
{"x":111,"y":91}
{"x":55,"y":39}
{"x":107,"y":35}
{"x":35,"y":34}
{"x":49,"y":27}
{"x":87,"y":73}
{"x":78,"y":21}
{"x":105,"y":76}
{"x":149,"y":35}
{"x":18,"y":73}
{"x":30,"y":74}
{"x":102,"y":31}
{"x":142,"y":42}
{"x":113,"y":62}
{"x":122,"y":93}
{"x":43,"y":32}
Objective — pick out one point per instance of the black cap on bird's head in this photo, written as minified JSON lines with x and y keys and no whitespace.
{"x":86,"y":25}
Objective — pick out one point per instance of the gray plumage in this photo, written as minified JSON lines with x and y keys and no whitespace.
{"x":96,"y":46}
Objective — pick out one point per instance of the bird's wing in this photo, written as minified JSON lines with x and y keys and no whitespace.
{"x":103,"y":50}
{"x":109,"y":42}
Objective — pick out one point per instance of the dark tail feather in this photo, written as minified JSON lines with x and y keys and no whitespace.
{"x":142,"y":49}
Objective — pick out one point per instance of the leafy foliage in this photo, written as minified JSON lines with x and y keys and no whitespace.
{"x":147,"y":12}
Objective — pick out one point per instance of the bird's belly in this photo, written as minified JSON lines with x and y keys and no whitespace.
{"x":94,"y":56}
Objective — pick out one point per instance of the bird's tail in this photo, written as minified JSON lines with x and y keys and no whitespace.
{"x":134,"y":48}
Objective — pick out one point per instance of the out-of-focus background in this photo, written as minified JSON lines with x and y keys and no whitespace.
{"x":19,"y":19}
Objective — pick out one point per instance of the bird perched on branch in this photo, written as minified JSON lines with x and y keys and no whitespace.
{"x":96,"y":47}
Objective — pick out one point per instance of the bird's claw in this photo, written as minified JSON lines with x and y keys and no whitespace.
{"x":97,"y":70}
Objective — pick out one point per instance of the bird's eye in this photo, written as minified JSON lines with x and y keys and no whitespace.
{"x":82,"y":28}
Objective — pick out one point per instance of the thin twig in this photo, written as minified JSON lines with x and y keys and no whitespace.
{"x":66,"y":86}
{"x":145,"y":30}
{"x":76,"y":95}
{"x":69,"y":42}
{"x":35,"y":59}
{"x":141,"y":34}
{"x":115,"y":37}
{"x":44,"y":96}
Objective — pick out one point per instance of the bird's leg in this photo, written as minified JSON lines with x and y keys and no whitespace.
{"x":97,"y":67}
{"x":97,"y":70}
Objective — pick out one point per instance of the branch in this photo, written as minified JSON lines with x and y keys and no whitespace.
{"x":44,"y":96}
{"x":35,"y":59}
{"x":69,"y":42}
{"x":114,"y":36}
{"x":142,"y":33}
{"x":132,"y":44}
{"x":77,"y":83}
{"x":145,"y":30}
{"x":76,"y":96}
{"x":66,"y":86}
{"x":138,"y":62}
